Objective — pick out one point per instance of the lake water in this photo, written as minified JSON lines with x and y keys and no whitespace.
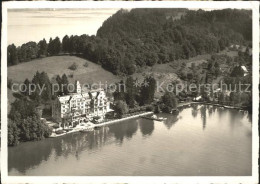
{"x":26,"y":25}
{"x":201,"y":140}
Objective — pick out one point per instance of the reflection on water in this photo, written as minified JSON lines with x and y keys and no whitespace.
{"x":122,"y":130}
{"x":201,"y":140}
{"x":203,"y":116}
{"x":171,"y":120}
{"x":194,"y":110}
{"x":146,"y":127}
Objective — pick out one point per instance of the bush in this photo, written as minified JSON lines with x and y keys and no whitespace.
{"x":167,"y":109}
{"x":59,"y":132}
{"x":74,"y":66}
{"x":121,"y":108}
{"x":143,"y":108}
{"x":150,"y":108}
{"x":157,"y":109}
{"x":86,"y":64}
{"x":56,"y":126}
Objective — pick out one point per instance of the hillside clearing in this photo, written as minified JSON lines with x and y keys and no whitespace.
{"x":58,"y":65}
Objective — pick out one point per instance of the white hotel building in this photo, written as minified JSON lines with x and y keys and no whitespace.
{"x":81,"y":106}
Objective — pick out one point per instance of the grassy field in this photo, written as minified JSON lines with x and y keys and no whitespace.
{"x":58,"y":65}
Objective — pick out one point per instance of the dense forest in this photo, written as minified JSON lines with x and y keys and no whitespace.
{"x":129,"y":40}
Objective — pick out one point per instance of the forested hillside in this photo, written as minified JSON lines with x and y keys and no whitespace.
{"x":129,"y":40}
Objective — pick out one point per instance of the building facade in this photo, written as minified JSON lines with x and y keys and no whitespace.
{"x":80,"y":106}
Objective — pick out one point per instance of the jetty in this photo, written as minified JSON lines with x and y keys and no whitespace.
{"x":154,"y":117}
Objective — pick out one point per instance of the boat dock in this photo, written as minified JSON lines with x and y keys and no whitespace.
{"x":154,"y":117}
{"x":123,"y":119}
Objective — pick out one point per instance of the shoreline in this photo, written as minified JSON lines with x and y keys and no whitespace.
{"x":102,"y":124}
{"x":213,"y":104}
{"x":182,"y":105}
{"x":186,"y":104}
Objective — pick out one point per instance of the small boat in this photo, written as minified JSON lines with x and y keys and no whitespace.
{"x":154,"y":117}
{"x":161,"y":119}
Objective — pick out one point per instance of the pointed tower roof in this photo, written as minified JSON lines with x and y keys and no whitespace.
{"x":77,"y":87}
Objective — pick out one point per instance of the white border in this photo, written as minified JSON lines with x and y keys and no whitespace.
{"x":130,"y":4}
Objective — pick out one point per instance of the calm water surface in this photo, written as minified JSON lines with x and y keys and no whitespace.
{"x":201,"y":140}
{"x":35,"y":24}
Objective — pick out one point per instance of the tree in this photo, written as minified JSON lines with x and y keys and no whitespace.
{"x":26,"y":87}
{"x":74,"y":66}
{"x":57,"y":46}
{"x":131,"y":92}
{"x":237,"y":72}
{"x":65,"y":82}
{"x":32,"y":128}
{"x":25,"y":123}
{"x":151,"y":58}
{"x":170,"y":101}
{"x":59,"y":82}
{"x":54,"y":47}
{"x":12,"y":58}
{"x":43,"y":47}
{"x":45,"y":82}
{"x":120,"y":108}
{"x":189,"y":76}
{"x":147,"y":90}
{"x":28,"y":51}
{"x":13,"y":133}
{"x":20,"y":109}
{"x":66,"y":44}
{"x":119,"y":94}
{"x":50,"y":47}
{"x":234,"y":98}
{"x":221,"y":98}
{"x":72,"y":45}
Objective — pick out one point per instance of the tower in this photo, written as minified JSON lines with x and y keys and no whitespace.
{"x":77,"y":86}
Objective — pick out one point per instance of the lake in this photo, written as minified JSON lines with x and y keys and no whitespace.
{"x":36,"y":24}
{"x":199,"y":141}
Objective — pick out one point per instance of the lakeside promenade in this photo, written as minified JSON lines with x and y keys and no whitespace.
{"x":92,"y":126}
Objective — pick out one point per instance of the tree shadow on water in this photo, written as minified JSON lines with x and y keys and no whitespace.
{"x":146,"y":127}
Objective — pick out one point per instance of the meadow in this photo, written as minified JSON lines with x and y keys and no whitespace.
{"x":58,"y":65}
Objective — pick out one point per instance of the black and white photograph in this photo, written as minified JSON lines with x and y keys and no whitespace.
{"x":130,"y":90}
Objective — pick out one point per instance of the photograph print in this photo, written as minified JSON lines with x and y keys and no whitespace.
{"x":129,"y":91}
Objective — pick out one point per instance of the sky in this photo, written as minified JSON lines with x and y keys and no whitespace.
{"x":34,"y":24}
